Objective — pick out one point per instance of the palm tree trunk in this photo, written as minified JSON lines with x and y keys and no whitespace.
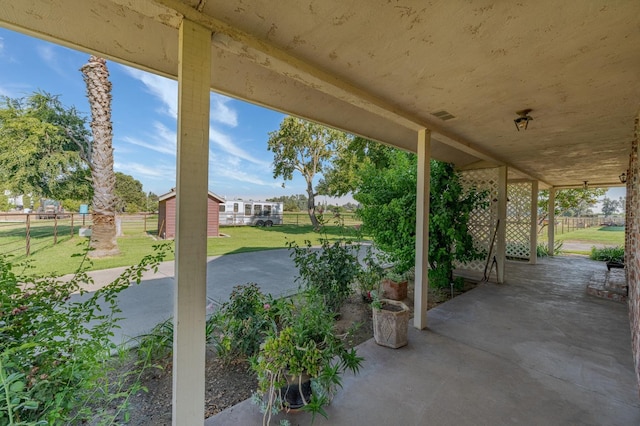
{"x":103,"y":234}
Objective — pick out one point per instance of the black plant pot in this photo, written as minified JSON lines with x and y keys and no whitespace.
{"x":295,"y":394}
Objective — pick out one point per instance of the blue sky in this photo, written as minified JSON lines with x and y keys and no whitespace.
{"x":144,"y":112}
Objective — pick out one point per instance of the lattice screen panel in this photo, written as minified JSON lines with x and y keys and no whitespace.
{"x":519,"y":220}
{"x":482,"y":221}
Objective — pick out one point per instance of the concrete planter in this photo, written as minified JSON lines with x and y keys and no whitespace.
{"x":390,"y":324}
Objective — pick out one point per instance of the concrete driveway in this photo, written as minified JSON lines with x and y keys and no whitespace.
{"x":151,"y":302}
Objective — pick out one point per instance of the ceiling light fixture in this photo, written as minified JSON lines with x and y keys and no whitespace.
{"x":623,"y":177}
{"x":522,"y":122}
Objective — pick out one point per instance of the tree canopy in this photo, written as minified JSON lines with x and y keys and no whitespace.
{"x":386,"y":190}
{"x":304,"y":147}
{"x":343,"y":175}
{"x":609,"y":206}
{"x":129,"y":194}
{"x":292,"y":203}
{"x":576,"y":201}
{"x":38,"y":156}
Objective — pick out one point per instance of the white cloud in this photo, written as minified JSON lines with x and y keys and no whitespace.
{"x":163,"y":140}
{"x":1,"y":45}
{"x":226,"y":144}
{"x":221,"y":112}
{"x":167,"y":91}
{"x":160,"y":171}
{"x":163,"y":88}
{"x":223,"y":167}
{"x":45,"y":51}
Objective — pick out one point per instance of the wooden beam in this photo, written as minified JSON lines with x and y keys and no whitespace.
{"x":551,"y":215}
{"x":533,"y":234}
{"x":421,"y":286}
{"x":194,"y":77}
{"x":501,"y":244}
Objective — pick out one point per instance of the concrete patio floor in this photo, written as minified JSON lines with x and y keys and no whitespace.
{"x":536,"y":350}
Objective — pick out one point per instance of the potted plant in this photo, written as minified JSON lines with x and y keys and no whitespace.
{"x":390,"y":322}
{"x":394,"y":285}
{"x":369,"y":277}
{"x":299,"y":365}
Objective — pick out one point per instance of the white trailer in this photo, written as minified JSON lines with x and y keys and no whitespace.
{"x":256,"y":213}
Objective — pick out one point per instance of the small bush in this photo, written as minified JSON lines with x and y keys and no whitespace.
{"x":55,"y":353}
{"x":330,"y":270}
{"x":156,"y":347}
{"x":242,"y":323}
{"x":542,"y":249}
{"x":608,"y":254}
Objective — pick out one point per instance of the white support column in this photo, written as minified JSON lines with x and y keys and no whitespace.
{"x":194,"y":82}
{"x":501,"y":244}
{"x":551,"y":215}
{"x":421,"y":289}
{"x":533,"y":236}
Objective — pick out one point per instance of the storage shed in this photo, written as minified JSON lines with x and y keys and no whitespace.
{"x":167,"y":215}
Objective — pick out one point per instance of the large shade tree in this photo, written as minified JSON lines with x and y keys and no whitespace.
{"x":38,"y":155}
{"x":99,"y":155}
{"x":129,"y":194}
{"x":304,"y":147}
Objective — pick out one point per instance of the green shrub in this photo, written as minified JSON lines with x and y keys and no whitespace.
{"x":242,"y":323}
{"x":542,"y":249}
{"x":331,"y":270}
{"x":55,"y":354}
{"x":608,"y":254}
{"x":370,"y":275}
{"x":156,"y":347}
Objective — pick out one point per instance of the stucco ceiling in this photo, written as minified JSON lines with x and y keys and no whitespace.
{"x":381,"y":69}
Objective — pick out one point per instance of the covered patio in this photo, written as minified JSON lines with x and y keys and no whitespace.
{"x":534,"y":350}
{"x":446,"y":80}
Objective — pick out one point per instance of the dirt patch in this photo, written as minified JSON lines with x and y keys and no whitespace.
{"x":229,"y":384}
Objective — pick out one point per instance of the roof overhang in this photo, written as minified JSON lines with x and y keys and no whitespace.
{"x":386,"y":70}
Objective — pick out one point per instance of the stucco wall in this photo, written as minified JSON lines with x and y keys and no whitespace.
{"x":632,"y":249}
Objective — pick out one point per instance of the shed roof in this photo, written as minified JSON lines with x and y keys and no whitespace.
{"x":172,"y":194}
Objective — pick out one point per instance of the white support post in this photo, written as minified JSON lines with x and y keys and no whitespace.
{"x":421,"y":288}
{"x":194,"y":82}
{"x":501,"y":245}
{"x":551,"y":215}
{"x":533,"y":236}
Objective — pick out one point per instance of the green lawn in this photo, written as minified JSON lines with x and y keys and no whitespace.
{"x":59,"y":259}
{"x":604,"y":235}
{"x":610,"y":235}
